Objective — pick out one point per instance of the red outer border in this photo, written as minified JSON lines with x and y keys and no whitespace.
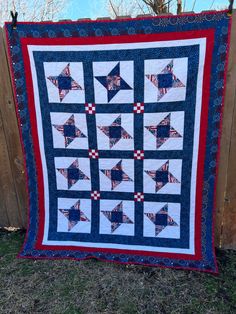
{"x":209,"y":34}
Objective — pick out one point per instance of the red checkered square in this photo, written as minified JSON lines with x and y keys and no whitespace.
{"x":95,"y":195}
{"x":138,"y":197}
{"x":93,"y":154}
{"x":90,"y":108}
{"x":139,"y":107}
{"x":139,"y":154}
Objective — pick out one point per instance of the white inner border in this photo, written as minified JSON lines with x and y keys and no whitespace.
{"x":174,"y":43}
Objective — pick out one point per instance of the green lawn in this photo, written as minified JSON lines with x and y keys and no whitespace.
{"x":29,"y":286}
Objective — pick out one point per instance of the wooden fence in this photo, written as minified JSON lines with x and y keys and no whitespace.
{"x":13,"y":197}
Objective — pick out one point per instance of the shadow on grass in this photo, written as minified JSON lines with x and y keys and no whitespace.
{"x":69,"y":287}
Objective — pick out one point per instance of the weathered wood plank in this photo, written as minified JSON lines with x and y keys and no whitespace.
{"x":224,"y":169}
{"x":4,"y":221}
{"x":103,"y":18}
{"x":84,"y":19}
{"x":17,"y":187}
{"x":228,"y":240}
{"x":120,"y":17}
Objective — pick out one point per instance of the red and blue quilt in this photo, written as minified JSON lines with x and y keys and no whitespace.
{"x":120,"y":123}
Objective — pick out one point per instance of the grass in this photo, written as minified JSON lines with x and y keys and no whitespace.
{"x":71,"y":287}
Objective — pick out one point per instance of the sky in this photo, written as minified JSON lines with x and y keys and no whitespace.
{"x":97,"y":8}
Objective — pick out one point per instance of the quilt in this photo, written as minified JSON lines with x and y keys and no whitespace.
{"x":120,"y":123}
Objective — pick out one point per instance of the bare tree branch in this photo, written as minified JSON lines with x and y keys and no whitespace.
{"x":194,"y":5}
{"x":113,"y":8}
{"x":213,"y":1}
{"x":157,"y":6}
{"x":126,"y":7}
{"x":133,"y":8}
{"x":140,"y":7}
{"x":32,"y":10}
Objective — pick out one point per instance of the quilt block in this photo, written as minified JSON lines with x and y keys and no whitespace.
{"x":120,"y":124}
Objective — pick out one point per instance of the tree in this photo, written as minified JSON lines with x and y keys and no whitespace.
{"x":179,"y":6}
{"x":135,"y":7}
{"x":125,"y":7}
{"x":157,"y":6}
{"x":31,"y":10}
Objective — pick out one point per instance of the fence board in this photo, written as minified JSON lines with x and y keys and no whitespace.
{"x":4,"y":169}
{"x":14,"y":188}
{"x":9,"y":205}
{"x":225,"y":164}
{"x":228,"y":240}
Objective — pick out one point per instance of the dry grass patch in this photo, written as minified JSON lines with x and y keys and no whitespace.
{"x":70,"y":287}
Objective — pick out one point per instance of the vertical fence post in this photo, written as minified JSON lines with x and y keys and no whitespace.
{"x":225,"y":232}
{"x":228,"y":230}
{"x":228,"y":236}
{"x":12,"y":182}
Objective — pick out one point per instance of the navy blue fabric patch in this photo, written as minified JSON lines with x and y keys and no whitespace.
{"x":115,"y":132}
{"x":73,"y":174}
{"x":161,"y":219}
{"x":163,"y":131}
{"x":116,"y":175}
{"x":117,"y":217}
{"x":74,"y":215}
{"x":164,"y":80}
{"x":161,"y":176}
{"x":69,"y":130}
{"x":64,"y":82}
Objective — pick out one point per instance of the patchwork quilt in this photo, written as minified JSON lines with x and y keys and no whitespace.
{"x":120,"y":124}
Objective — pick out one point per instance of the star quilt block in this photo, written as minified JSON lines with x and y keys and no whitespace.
{"x":164,"y":131}
{"x":165,"y":79}
{"x":113,"y":81}
{"x":72,"y":173}
{"x":115,"y":131}
{"x":74,"y":215}
{"x":117,"y":135}
{"x":69,"y":130}
{"x":116,"y":175}
{"x":162,"y":220}
{"x":117,"y":217}
{"x":64,"y":81}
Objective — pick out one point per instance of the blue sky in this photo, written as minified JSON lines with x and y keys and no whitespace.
{"x":97,"y":8}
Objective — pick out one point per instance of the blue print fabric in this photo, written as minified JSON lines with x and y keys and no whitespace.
{"x":120,"y":122}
